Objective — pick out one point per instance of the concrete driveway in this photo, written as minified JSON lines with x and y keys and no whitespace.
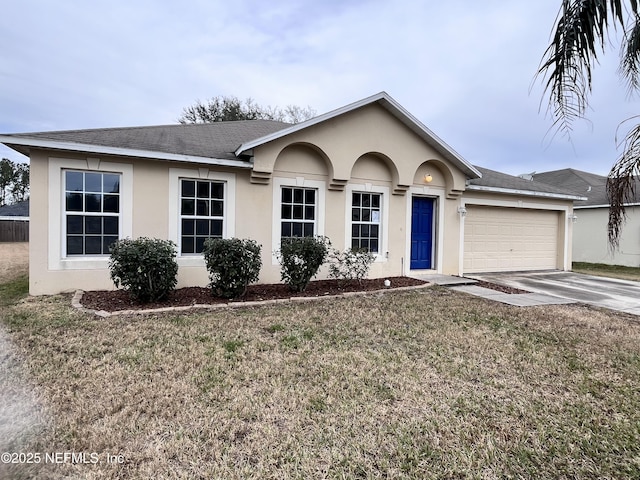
{"x":622,"y":295}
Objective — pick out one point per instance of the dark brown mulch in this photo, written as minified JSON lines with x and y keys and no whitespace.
{"x":115,"y":300}
{"x":500,"y":288}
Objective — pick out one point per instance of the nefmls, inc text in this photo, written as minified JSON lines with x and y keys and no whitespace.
{"x":59,"y":457}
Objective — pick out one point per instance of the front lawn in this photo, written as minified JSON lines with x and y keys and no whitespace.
{"x":425,"y":384}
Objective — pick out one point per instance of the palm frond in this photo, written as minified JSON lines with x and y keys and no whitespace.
{"x":621,"y":185}
{"x":579,"y":36}
{"x":630,"y":53}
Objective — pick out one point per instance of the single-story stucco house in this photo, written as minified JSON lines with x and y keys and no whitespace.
{"x":368,"y":174}
{"x":590,"y":235}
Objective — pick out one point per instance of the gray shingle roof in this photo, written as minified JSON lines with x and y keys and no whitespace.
{"x":209,"y":140}
{"x":498,"y":180}
{"x":221,"y":140}
{"x":20,"y":209}
{"x":589,"y":185}
{"x":213,"y":142}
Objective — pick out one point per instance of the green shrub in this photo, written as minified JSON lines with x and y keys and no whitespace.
{"x":232,"y":264}
{"x":352,"y":264}
{"x":145,"y":267}
{"x":300,"y":259}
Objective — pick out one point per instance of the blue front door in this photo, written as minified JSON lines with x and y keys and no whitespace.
{"x":421,"y":233}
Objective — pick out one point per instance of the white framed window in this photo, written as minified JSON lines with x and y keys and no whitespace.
{"x":201,"y":206}
{"x":367,"y":218}
{"x":90,"y":206}
{"x":92,"y":212}
{"x":366,"y":221}
{"x":298,"y":209}
{"x":201,"y":213}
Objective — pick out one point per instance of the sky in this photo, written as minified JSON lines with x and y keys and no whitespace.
{"x":466,"y":69}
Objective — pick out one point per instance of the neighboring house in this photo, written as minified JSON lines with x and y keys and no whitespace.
{"x":590,"y":237}
{"x":368,"y":174}
{"x":14,"y":222}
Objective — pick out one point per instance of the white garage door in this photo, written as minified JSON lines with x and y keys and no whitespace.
{"x":500,"y":239}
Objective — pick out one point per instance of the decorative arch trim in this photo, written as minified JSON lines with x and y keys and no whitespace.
{"x":386,"y":160}
{"x":454,"y":185}
{"x":263,"y":175}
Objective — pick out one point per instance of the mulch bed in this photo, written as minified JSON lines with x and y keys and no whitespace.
{"x":500,"y":288}
{"x":114,"y":300}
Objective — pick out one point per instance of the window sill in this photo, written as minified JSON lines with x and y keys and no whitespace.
{"x":191,"y":261}
{"x":84,"y":263}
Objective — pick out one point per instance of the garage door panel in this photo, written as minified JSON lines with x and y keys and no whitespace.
{"x":509,"y":239}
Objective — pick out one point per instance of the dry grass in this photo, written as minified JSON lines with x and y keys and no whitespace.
{"x":603,"y":270}
{"x":14,"y":260}
{"x":429,"y":384}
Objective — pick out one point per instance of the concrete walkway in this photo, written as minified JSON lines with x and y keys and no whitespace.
{"x":615,"y":294}
{"x":467,"y":285}
{"x":445,"y":280}
{"x":516,"y":299}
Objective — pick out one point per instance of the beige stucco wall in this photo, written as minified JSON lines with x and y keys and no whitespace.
{"x":39,"y":278}
{"x":590,"y":239}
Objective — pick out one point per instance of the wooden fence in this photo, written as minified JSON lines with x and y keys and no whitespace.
{"x":14,"y":230}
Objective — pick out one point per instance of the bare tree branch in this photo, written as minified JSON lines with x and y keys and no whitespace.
{"x":226,"y":109}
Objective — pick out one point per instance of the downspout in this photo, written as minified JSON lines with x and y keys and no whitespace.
{"x":462,"y":213}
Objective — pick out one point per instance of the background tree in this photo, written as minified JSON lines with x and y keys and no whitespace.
{"x":14,"y":181}
{"x":580,"y":33}
{"x":229,"y":108}
{"x":20,"y":187}
{"x":6,"y":179}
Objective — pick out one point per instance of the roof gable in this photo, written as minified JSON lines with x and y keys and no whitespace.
{"x":394,"y":108}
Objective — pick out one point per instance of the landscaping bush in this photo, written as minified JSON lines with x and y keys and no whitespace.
{"x":145,"y":267}
{"x":352,"y":264}
{"x":232,"y":264}
{"x":300,"y":259}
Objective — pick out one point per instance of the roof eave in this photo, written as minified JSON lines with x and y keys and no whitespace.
{"x":605,"y":205}
{"x":12,"y":142}
{"x":528,"y":193}
{"x":390,"y":104}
